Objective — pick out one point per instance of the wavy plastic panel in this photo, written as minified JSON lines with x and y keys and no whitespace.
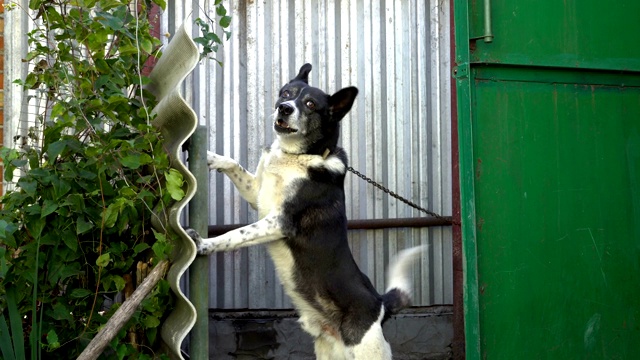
{"x":177,"y":122}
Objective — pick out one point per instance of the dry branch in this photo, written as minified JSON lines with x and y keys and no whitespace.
{"x":123,"y":314}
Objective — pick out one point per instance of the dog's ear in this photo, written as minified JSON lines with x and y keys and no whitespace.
{"x":340,"y":103}
{"x":303,"y":75}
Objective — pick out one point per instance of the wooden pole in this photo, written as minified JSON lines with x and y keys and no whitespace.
{"x":123,"y":314}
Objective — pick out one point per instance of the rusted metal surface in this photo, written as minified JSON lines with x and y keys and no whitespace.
{"x":457,"y":344}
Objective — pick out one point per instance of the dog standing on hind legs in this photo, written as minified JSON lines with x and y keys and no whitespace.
{"x":298,"y":190}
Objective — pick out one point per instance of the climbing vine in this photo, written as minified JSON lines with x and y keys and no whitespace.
{"x":76,"y":234}
{"x":210,"y":40}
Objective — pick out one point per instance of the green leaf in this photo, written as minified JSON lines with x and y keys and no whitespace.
{"x":225,"y":21}
{"x":204,"y":26}
{"x":6,"y":233}
{"x":115,"y":280}
{"x":119,"y":282}
{"x":75,"y":202}
{"x":128,"y":192}
{"x":35,"y":227}
{"x":60,"y":187}
{"x":61,"y":312}
{"x":5,"y":339}
{"x":34,"y":209}
{"x":146,"y":45}
{"x":213,"y":37}
{"x":111,"y":215}
{"x":109,"y":4}
{"x":82,"y":226}
{"x":48,"y":207}
{"x":102,"y":66}
{"x":29,"y":187}
{"x":161,"y":248}
{"x":4,"y":264}
{"x":54,"y":149}
{"x":140,"y":247}
{"x":121,"y":351}
{"x":220,"y":10}
{"x":134,"y":161}
{"x":9,"y":156}
{"x":31,"y":81}
{"x":11,"y":162}
{"x":150,"y":321}
{"x":52,"y":340}
{"x":174,"y":184}
{"x":127,"y":50}
{"x":87,"y":174}
{"x":61,"y":270}
{"x":70,"y":240}
{"x":103,"y":260}
{"x":151,"y":334}
{"x":15,"y":322}
{"x":58,"y":110}
{"x":110,"y":21}
{"x":80,"y":293}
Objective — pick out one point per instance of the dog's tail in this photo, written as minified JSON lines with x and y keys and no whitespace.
{"x":399,"y":290}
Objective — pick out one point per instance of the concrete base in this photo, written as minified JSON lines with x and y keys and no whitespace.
{"x":416,"y":333}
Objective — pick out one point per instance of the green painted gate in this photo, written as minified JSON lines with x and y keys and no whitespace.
{"x":548,"y":98}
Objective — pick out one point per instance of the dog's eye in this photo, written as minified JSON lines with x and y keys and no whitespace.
{"x":285,"y":94}
{"x":311,"y":105}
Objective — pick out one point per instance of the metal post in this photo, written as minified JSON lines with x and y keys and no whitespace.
{"x":199,"y":221}
{"x":488,"y":32}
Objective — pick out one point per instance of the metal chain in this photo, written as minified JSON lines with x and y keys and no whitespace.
{"x":394,"y":195}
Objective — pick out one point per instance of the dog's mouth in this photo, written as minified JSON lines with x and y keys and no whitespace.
{"x":282,"y":126}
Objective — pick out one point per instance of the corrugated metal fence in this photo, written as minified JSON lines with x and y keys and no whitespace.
{"x":398,"y":132}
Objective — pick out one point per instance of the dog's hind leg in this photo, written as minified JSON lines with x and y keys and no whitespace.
{"x":373,"y":345}
{"x":329,"y":348}
{"x":260,"y":232}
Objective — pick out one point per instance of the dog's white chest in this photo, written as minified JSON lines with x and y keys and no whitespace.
{"x":277,"y":179}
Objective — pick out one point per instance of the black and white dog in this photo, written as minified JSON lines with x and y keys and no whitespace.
{"x":298,"y":190}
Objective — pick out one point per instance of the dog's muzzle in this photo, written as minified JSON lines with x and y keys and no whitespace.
{"x":281,"y":125}
{"x":285,"y":109}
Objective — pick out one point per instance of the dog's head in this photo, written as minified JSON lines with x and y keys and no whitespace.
{"x":306,"y":119}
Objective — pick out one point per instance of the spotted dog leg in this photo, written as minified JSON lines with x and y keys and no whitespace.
{"x":262,"y":231}
{"x":243,"y":180}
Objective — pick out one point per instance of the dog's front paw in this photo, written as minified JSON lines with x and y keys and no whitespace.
{"x":198,"y":240}
{"x":219,"y":162}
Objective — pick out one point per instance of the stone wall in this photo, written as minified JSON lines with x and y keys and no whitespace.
{"x":417,"y":333}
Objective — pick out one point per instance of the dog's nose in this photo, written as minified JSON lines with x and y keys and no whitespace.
{"x":285,"y":109}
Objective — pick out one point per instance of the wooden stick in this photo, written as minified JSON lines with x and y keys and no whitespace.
{"x":129,"y":288}
{"x":123,"y":314}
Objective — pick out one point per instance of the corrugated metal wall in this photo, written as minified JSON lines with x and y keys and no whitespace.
{"x":398,"y":132}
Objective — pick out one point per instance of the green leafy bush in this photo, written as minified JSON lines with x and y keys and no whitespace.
{"x":77,"y":226}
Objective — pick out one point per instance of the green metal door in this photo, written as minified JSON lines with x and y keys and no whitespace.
{"x":549,"y":134}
